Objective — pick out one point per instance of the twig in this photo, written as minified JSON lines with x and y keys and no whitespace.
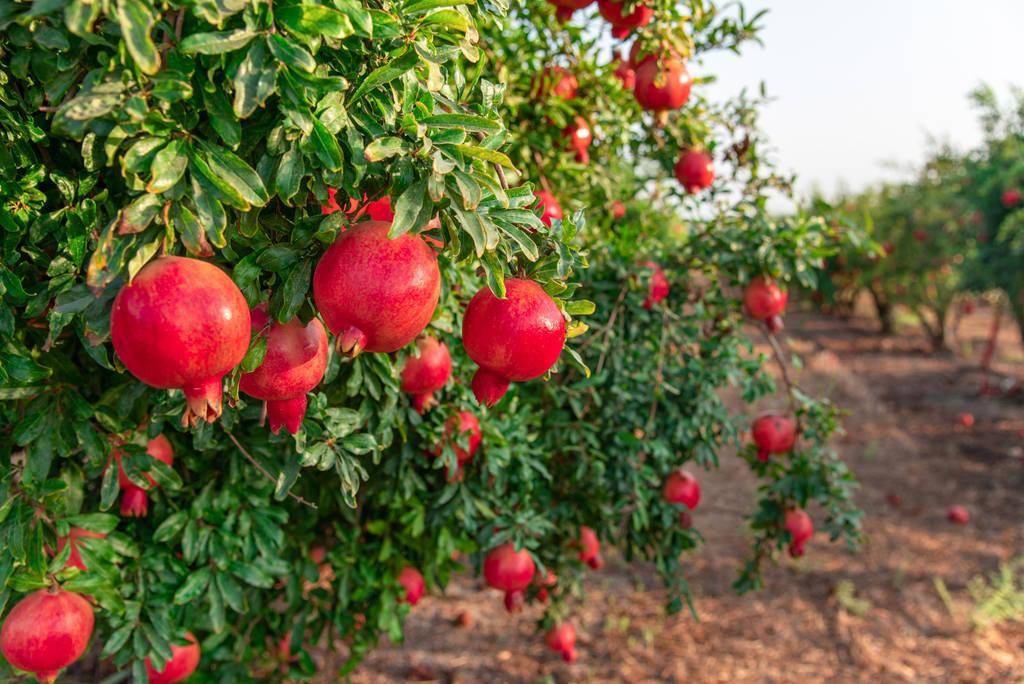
{"x":784,"y":369}
{"x":263,"y":470}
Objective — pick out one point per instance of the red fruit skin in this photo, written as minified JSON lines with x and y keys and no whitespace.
{"x":681,"y":488}
{"x":596,"y":563}
{"x":695,"y":170}
{"x":507,"y":569}
{"x":294,"y":364}
{"x":622,"y":26}
{"x":513,"y":339}
{"x":920,"y":235}
{"x":514,"y":601}
{"x":570,"y":656}
{"x":375,"y":293}
{"x":46,"y":631}
{"x":561,"y":638}
{"x":801,"y":529}
{"x":134,"y":501}
{"x":626,"y":73}
{"x":590,"y":546}
{"x":182,"y":323}
{"x":377,"y":210}
{"x":580,"y":137}
{"x":184,"y":661}
{"x":426,"y":373}
{"x":773,"y":434}
{"x":464,"y":422}
{"x":317,"y":554}
{"x":76,"y":533}
{"x":567,"y":7}
{"x":412,"y":581}
{"x":958,"y":515}
{"x":618,"y":209}
{"x":1011,"y":198}
{"x":662,"y":84}
{"x":659,"y":285}
{"x":332,"y":203}
{"x":966,"y":419}
{"x":558,"y":82}
{"x":763,"y":299}
{"x":549,"y":206}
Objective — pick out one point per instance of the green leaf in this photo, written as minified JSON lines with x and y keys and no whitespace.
{"x":408,"y":208}
{"x":291,"y":169}
{"x":255,"y":80}
{"x":291,"y":54}
{"x":387,"y":73}
{"x":420,"y":6}
{"x":170,"y":527}
{"x":314,"y":20}
{"x":136,"y":19}
{"x":326,"y":146}
{"x":216,"y":42}
{"x":384,"y":148}
{"x":168,"y":166}
{"x":492,"y":156}
{"x":195,"y":584}
{"x":237,"y":173}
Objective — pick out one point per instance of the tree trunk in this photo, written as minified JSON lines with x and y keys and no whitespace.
{"x":885,"y":312}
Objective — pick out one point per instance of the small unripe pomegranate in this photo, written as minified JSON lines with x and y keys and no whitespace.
{"x":467,"y":427}
{"x":681,"y":488}
{"x":376,"y":293}
{"x":565,"y":8}
{"x":580,"y":137}
{"x":626,"y":73}
{"x":427,"y":372}
{"x":46,"y":631}
{"x":695,"y":170}
{"x":1011,"y":198}
{"x":764,"y":299}
{"x":958,"y":515}
{"x":659,"y":285}
{"x":510,"y":571}
{"x":294,"y":364}
{"x":549,"y":206}
{"x":801,"y":529}
{"x":622,"y":26}
{"x":966,"y":419}
{"x":76,"y":533}
{"x":134,"y":500}
{"x":662,"y":84}
{"x":561,"y":638}
{"x":590,"y":547}
{"x":183,"y":324}
{"x":184,"y":661}
{"x":412,"y":582}
{"x":513,"y":339}
{"x":773,"y":434}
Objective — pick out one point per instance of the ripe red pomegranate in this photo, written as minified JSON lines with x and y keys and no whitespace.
{"x":183,"y":324}
{"x":622,"y":26}
{"x":662,"y":84}
{"x":331,"y":205}
{"x":510,"y":571}
{"x":427,"y":372}
{"x":659,"y":285}
{"x":580,"y":138}
{"x":801,"y":529}
{"x":46,"y":631}
{"x":134,"y":500}
{"x":318,"y":554}
{"x":590,"y":548}
{"x":76,"y":533}
{"x":773,"y":433}
{"x":766,"y":301}
{"x":625,"y":73}
{"x":562,"y":639}
{"x":681,"y":488}
{"x":513,"y":339}
{"x":294,"y":364}
{"x":377,"y":210}
{"x":567,"y":7}
{"x":376,"y":294}
{"x":618,"y":210}
{"x":558,"y":82}
{"x":184,"y":661}
{"x":695,"y":170}
{"x":468,"y":428}
{"x":1011,"y":198}
{"x":549,"y":206}
{"x":966,"y":419}
{"x":412,"y":582}
{"x":958,"y":515}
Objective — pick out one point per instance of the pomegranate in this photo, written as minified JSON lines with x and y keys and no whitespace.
{"x":134,"y":500}
{"x":622,"y":26}
{"x":590,"y":548}
{"x":377,"y":210}
{"x":466,"y":424}
{"x":662,"y":84}
{"x":766,"y":301}
{"x":695,"y":170}
{"x":625,"y":73}
{"x":565,"y":8}
{"x":76,"y":533}
{"x":294,"y":364}
{"x":618,"y":210}
{"x":318,"y":554}
{"x":510,"y":571}
{"x":773,"y":433}
{"x":376,"y":294}
{"x":46,"y":631}
{"x":549,"y":206}
{"x":427,"y":372}
{"x":659,"y":285}
{"x":331,"y":205}
{"x":184,"y":661}
{"x":1011,"y":198}
{"x":182,"y":323}
{"x":580,"y":138}
{"x":562,"y":639}
{"x":681,"y":488}
{"x":412,"y":582}
{"x":920,"y":235}
{"x":801,"y":529}
{"x":958,"y":515}
{"x":513,"y":339}
{"x":559,"y":82}
{"x":966,"y":419}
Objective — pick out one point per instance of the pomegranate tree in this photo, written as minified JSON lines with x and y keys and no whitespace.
{"x":134,"y":497}
{"x":46,"y":631}
{"x":773,"y":433}
{"x":510,"y":571}
{"x":426,"y":372}
{"x":184,"y":661}
{"x":513,"y":339}
{"x":182,"y":324}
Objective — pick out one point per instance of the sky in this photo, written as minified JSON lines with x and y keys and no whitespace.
{"x":859,"y":86}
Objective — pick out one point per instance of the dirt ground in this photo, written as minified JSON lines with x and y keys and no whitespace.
{"x":878,"y":615}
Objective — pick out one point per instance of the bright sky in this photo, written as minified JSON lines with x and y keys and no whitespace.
{"x":860,"y":84}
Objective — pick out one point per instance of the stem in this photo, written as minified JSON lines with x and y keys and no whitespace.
{"x":263,"y":470}
{"x":784,"y":370}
